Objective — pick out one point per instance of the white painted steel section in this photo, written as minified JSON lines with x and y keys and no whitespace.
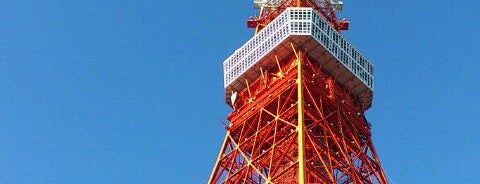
{"x":297,"y":21}
{"x":257,"y":4}
{"x":336,"y":4}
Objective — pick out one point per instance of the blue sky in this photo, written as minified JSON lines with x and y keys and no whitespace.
{"x":131,"y":91}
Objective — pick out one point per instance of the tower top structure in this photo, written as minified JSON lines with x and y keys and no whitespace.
{"x":313,"y":27}
{"x":299,"y":91}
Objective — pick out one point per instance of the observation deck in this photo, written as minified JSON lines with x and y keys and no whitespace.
{"x":306,"y":29}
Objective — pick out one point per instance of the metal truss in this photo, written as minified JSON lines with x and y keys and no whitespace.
{"x":294,"y":124}
{"x":270,"y":9}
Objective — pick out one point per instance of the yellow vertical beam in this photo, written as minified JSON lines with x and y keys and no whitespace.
{"x":257,"y":29}
{"x":248,"y":88}
{"x":300,"y":126}
{"x":215,"y":168}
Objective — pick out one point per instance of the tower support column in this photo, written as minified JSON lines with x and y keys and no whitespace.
{"x":301,"y":124}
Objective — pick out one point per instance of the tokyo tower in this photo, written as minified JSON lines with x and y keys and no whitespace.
{"x":299,"y":91}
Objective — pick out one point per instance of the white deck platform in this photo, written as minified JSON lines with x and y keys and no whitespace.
{"x":306,"y":29}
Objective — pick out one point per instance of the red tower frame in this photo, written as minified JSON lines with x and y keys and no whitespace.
{"x":297,"y":122}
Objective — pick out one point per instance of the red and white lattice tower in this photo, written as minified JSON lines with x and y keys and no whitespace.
{"x":299,"y":91}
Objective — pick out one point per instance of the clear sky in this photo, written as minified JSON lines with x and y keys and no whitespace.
{"x":124,"y":92}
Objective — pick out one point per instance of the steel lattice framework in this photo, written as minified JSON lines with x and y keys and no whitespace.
{"x":270,"y":9}
{"x":299,"y":93}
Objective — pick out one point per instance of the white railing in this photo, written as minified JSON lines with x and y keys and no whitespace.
{"x":343,"y":50}
{"x":251,"y":52}
{"x":297,"y":21}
